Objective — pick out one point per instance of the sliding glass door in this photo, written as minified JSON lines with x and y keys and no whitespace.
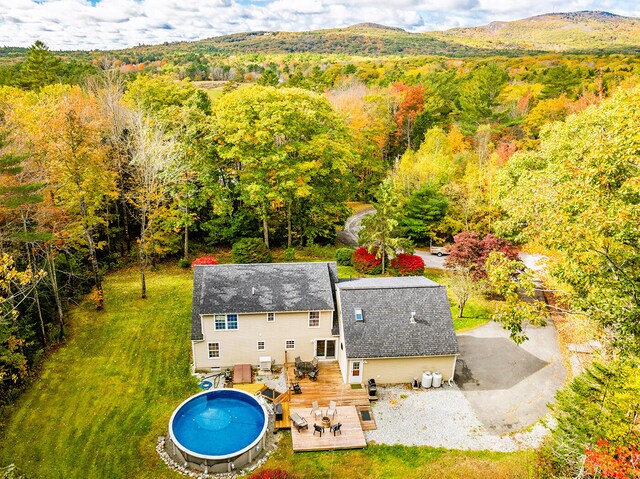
{"x":326,"y":348}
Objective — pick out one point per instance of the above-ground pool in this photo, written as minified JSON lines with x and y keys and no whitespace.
{"x":219,"y":430}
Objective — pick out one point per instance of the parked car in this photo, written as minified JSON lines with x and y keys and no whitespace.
{"x":439,"y":250}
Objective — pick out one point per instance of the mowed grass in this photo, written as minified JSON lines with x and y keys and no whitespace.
{"x":104,"y":397}
{"x":477,"y":311}
{"x":400,"y":462}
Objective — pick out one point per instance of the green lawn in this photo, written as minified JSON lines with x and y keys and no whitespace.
{"x":477,"y":311}
{"x":105,"y":396}
{"x":388,"y":462}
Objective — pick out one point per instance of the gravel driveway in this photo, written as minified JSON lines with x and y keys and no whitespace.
{"x":440,"y":418}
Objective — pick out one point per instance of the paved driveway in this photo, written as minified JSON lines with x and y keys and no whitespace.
{"x":509,"y":386}
{"x":349,"y":235}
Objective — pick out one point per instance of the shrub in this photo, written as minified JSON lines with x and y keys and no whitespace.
{"x":11,"y":472}
{"x":366,"y":262}
{"x":344,"y":256}
{"x":622,"y":461}
{"x":184,"y":263}
{"x":290,"y":254}
{"x":202,"y":260}
{"x":250,"y":250}
{"x":271,"y":474}
{"x":407,"y":265}
{"x":470,"y":250}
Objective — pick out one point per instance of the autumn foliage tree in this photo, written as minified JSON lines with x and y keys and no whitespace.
{"x":154,"y":167}
{"x":74,"y":147}
{"x":410,"y":105}
{"x":621,"y":462}
{"x":471,"y":250}
{"x":577,"y":195}
{"x":288,"y":151}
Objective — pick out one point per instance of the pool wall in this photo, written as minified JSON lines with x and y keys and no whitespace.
{"x":218,"y":464}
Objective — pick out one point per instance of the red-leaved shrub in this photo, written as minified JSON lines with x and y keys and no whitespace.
{"x":470,"y":250}
{"x":620,"y":462}
{"x":365,"y":262}
{"x":203,"y":260}
{"x":407,"y":265}
{"x":271,"y":474}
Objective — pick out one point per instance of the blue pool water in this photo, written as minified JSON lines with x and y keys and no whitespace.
{"x":218,"y":423}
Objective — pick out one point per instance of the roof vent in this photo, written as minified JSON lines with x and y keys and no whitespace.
{"x":413,"y":317}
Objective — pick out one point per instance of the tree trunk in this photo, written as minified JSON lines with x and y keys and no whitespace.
{"x":142,"y":255}
{"x":54,"y":286}
{"x":461,"y":305}
{"x":125,"y":223}
{"x":289,"y":226}
{"x":36,"y":295}
{"x":92,"y":256}
{"x":186,"y":237}
{"x":384,"y":254}
{"x":265,"y":230}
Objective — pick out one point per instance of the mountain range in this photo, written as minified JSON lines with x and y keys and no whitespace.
{"x":575,"y":32}
{"x":587,"y":31}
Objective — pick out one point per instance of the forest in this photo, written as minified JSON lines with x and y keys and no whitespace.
{"x":127,"y":162}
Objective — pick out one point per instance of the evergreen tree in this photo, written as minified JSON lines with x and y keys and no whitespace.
{"x":479,"y":97}
{"x":41,"y":67}
{"x":379,"y":229}
{"x":600,"y":404}
{"x":560,"y":80}
{"x":268,"y":78}
{"x":425,"y":209}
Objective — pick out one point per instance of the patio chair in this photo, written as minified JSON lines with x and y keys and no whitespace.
{"x":313,"y":375}
{"x":314,"y":363}
{"x":299,"y":422}
{"x":332,"y":409}
{"x":315,"y":410}
{"x":299,"y":373}
{"x":295,"y":387}
{"x":319,"y":429}
{"x":336,"y":428}
{"x":298,"y":362}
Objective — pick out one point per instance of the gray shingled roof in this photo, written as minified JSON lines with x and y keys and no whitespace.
{"x":386,"y":331}
{"x":257,"y":288}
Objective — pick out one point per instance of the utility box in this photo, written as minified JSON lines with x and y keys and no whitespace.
{"x":265,"y":364}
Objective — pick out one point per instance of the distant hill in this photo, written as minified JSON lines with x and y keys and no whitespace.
{"x":588,"y":31}
{"x":360,"y":39}
{"x":575,"y":31}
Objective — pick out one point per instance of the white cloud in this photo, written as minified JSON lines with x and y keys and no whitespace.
{"x":78,"y":24}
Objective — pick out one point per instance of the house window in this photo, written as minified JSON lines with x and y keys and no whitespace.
{"x":226,"y":321}
{"x":221,"y":322}
{"x":290,"y":344}
{"x":359,"y":316}
{"x":314,"y":319}
{"x":260,"y":345}
{"x":214,"y":350}
{"x":271,"y":317}
{"x":232,"y":321}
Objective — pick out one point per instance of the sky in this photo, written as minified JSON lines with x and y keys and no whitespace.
{"x":110,"y":24}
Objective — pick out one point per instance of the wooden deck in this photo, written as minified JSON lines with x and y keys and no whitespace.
{"x":328,"y":387}
{"x":370,"y":424}
{"x":352,"y":436}
{"x":285,"y":423}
